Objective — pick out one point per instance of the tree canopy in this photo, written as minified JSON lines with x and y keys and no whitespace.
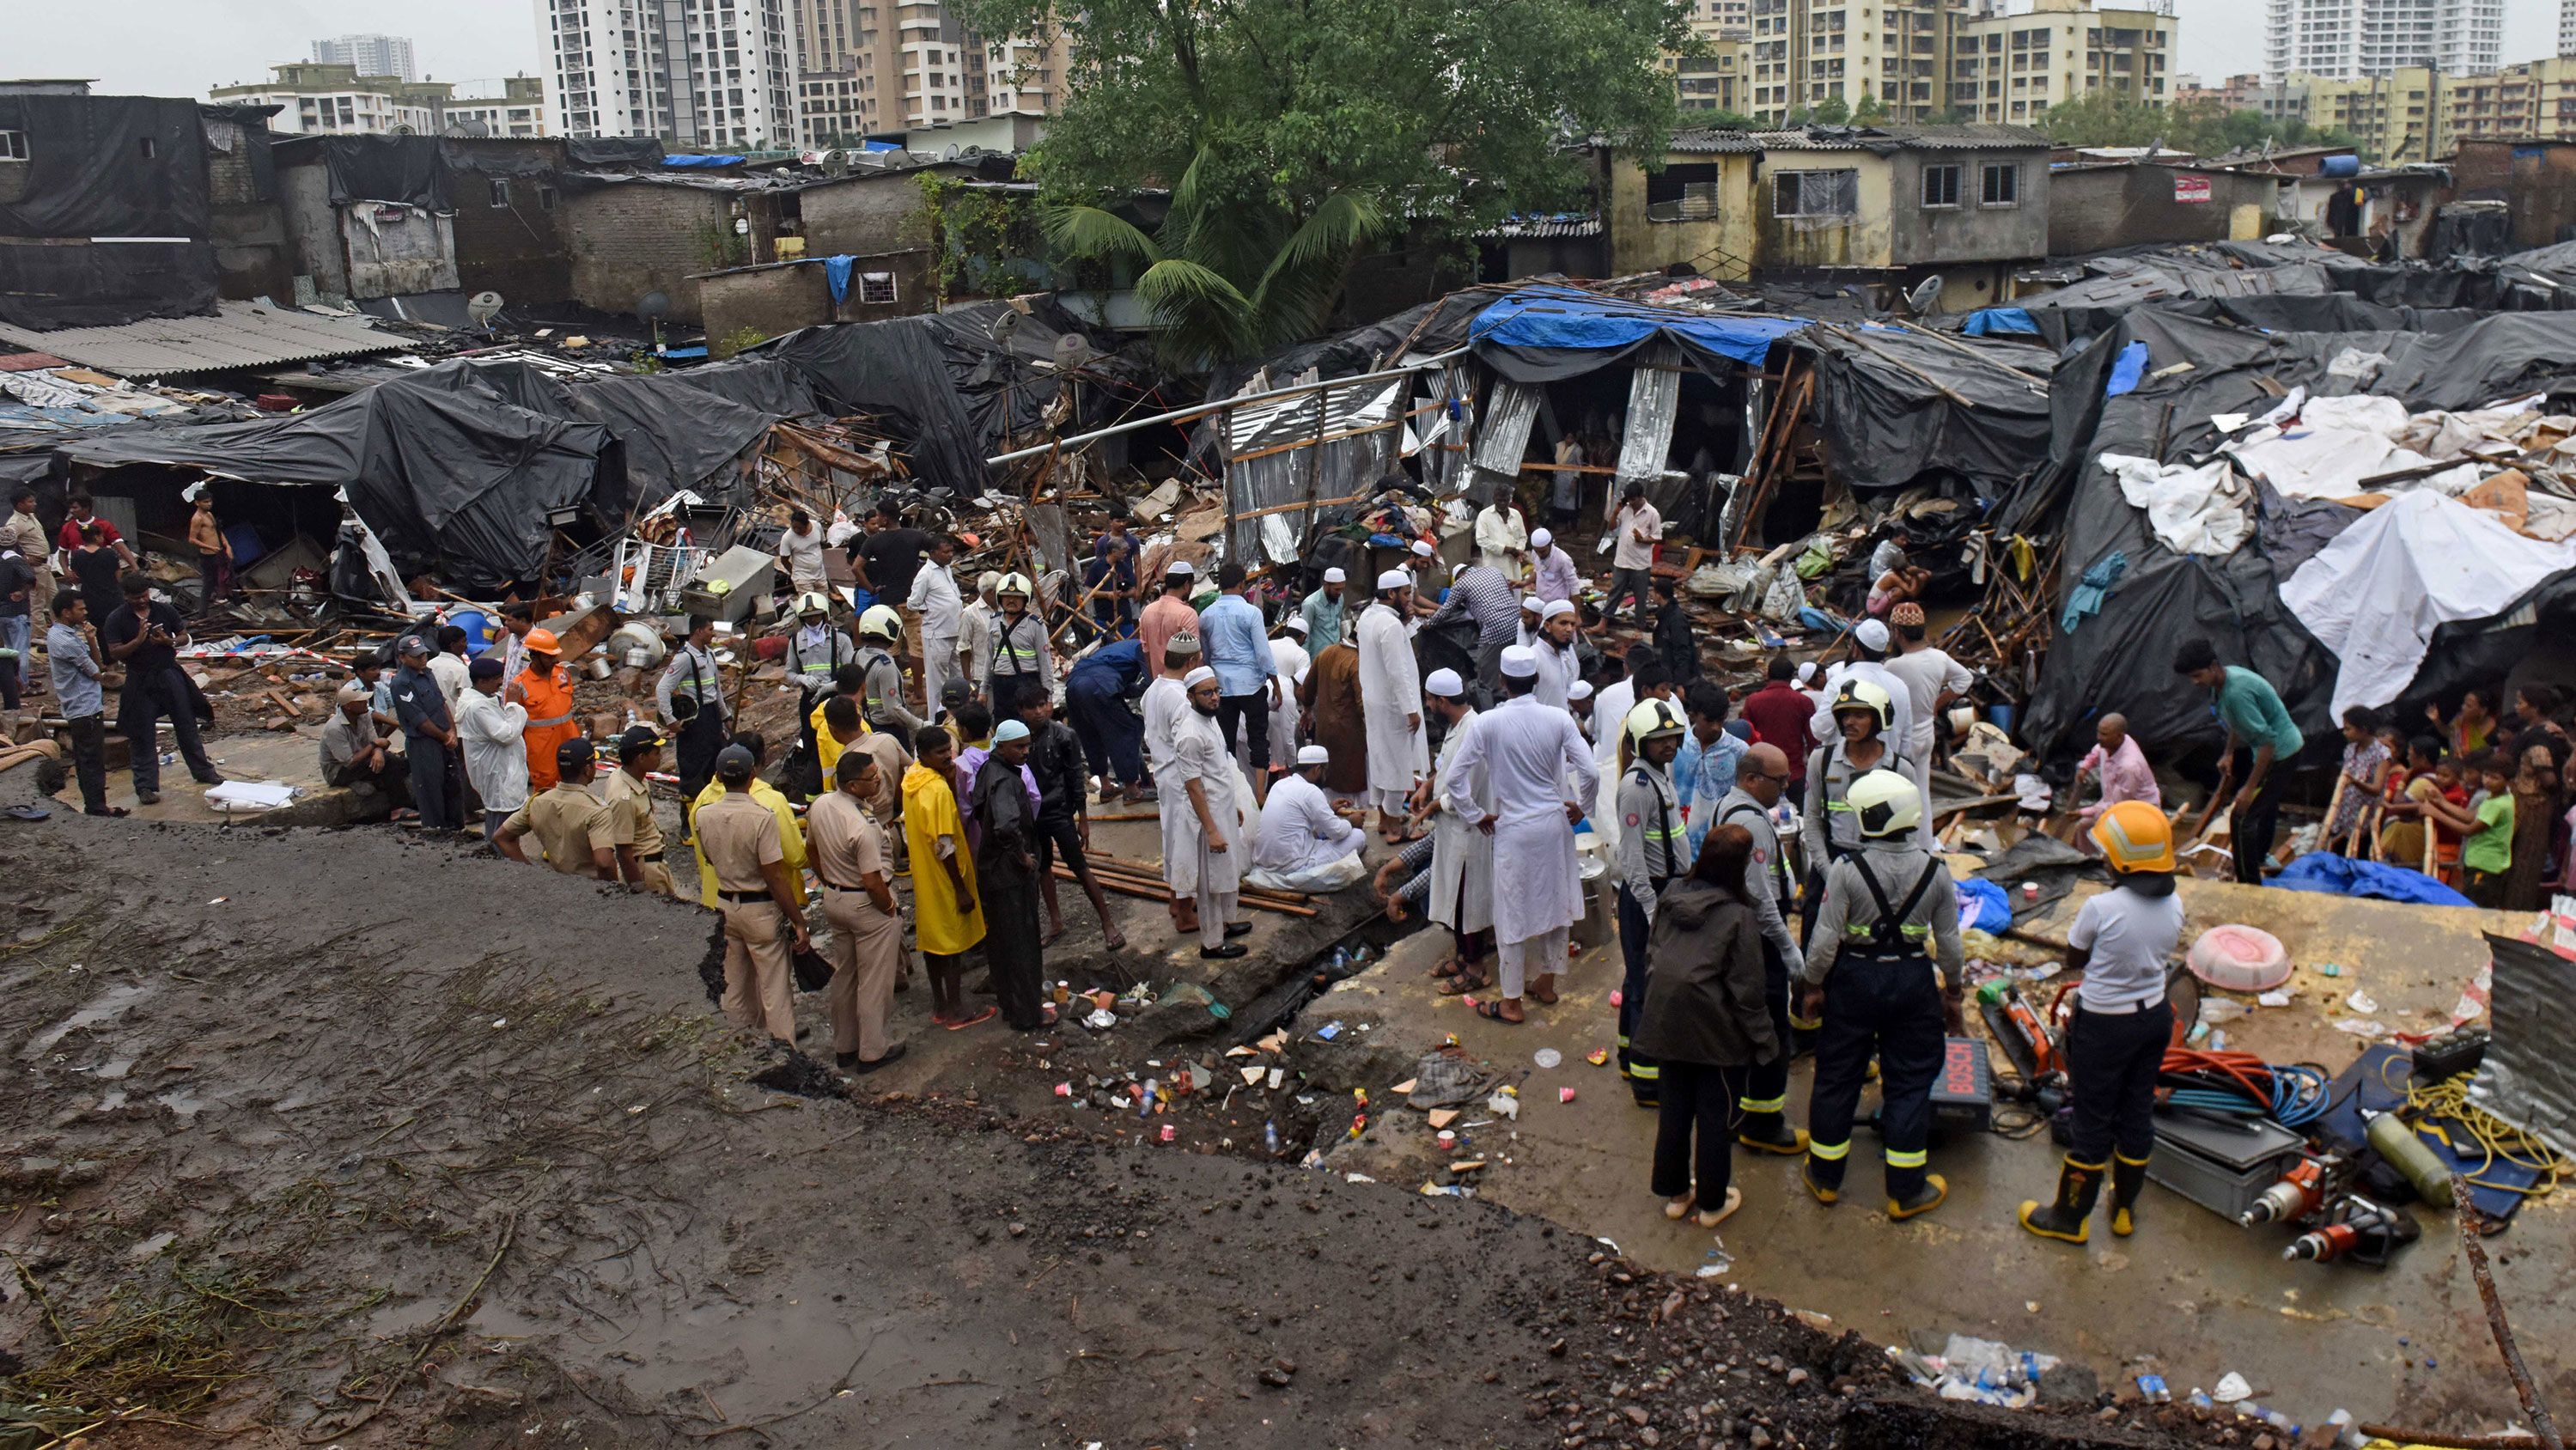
{"x":2202,"y":127}
{"x":1290,"y":133}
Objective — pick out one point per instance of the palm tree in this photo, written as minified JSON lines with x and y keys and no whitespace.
{"x":1226,"y":278}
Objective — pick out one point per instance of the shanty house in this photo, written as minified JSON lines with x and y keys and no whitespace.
{"x":2095,"y":206}
{"x":1895,"y":205}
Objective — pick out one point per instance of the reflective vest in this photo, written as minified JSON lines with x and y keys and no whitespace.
{"x":1891,"y":937}
{"x":1013,"y":657}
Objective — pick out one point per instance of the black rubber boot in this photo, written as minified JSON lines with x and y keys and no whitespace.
{"x":2069,"y":1219}
{"x":1934,"y":1191}
{"x":1771,"y":1133}
{"x":2128,"y":1180}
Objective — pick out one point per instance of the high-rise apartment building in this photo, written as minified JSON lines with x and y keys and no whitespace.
{"x":708,"y":73}
{"x":872,"y":67}
{"x":2012,"y":68}
{"x":369,"y":55}
{"x":1926,"y":60}
{"x":314,"y":99}
{"x":1722,"y":78}
{"x":2350,"y":39}
{"x":2567,"y":27}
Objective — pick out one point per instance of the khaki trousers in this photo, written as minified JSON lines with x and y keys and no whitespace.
{"x":866,"y":948}
{"x":759,"y":981}
{"x":657,"y":879}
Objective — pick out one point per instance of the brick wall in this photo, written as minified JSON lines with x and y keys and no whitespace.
{"x":779,"y":299}
{"x":863,"y":215}
{"x":628,"y":240}
{"x":253,"y":255}
{"x":518,"y":249}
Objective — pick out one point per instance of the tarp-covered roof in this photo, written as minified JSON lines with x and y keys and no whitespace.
{"x":92,"y":236}
{"x":1896,"y":405}
{"x":2149,"y":387}
{"x":1540,"y":334}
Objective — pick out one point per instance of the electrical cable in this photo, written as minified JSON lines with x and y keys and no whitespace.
{"x":2239,"y":1083}
{"x":2499,"y":1140}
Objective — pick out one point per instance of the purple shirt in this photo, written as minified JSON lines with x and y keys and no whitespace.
{"x":1557,"y":578}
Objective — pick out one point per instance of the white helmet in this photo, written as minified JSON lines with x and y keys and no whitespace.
{"x":1013,"y":584}
{"x":1652,"y":720}
{"x":813,"y":601}
{"x":1869,"y":695}
{"x":881,"y":622}
{"x":1886,"y":804}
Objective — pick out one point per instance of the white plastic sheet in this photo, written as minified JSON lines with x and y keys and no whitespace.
{"x":2200,"y":510}
{"x":2376,"y":593}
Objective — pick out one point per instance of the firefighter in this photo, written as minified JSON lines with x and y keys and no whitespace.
{"x":1890,"y":914}
{"x":815,"y":652}
{"x":1653,"y":852}
{"x":1864,"y":721}
{"x":2123,"y":1024}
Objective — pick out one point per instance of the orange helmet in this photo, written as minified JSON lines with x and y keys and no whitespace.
{"x":543,"y":642}
{"x":2135,"y":836}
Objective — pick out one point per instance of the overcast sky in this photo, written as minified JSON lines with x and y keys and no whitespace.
{"x":181,"y":47}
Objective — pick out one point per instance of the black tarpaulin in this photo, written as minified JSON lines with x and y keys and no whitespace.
{"x":405,"y":169}
{"x":110,"y":222}
{"x":940,"y":383}
{"x":615,"y":150}
{"x":1896,"y":406}
{"x":450,"y":476}
{"x":2121,"y":659}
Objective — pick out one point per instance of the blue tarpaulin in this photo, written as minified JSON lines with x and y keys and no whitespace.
{"x":691,"y":163}
{"x":881,"y":146}
{"x":2332,"y":875}
{"x":1984,"y":906}
{"x":2126,"y":370}
{"x":1557,"y":319}
{"x":1994,"y":321}
{"x":836,"y":274}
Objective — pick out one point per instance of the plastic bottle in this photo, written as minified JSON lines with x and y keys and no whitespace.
{"x":1270,"y":1136}
{"x":2408,"y":1154}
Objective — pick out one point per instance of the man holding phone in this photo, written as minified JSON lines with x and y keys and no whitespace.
{"x":146,"y":636}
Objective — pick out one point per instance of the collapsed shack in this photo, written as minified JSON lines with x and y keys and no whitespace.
{"x":2198,"y":467}
{"x":467,"y":471}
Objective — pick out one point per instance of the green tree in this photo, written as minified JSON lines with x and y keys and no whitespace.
{"x":1869,"y":112}
{"x":1291,"y":135}
{"x":1833,"y":111}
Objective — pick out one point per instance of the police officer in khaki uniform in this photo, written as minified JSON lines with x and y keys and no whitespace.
{"x":633,"y":832}
{"x":568,"y":821}
{"x":738,"y":836}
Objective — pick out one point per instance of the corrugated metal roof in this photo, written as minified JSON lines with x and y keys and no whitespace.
{"x":1981,"y":137}
{"x":238,"y":335}
{"x":1524,"y":228}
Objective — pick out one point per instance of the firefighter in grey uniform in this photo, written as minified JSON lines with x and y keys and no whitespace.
{"x":1759,"y":779}
{"x":815,"y":652}
{"x":1890,"y":912}
{"x":1653,"y":849}
{"x":1020,"y":653}
{"x":881,"y":696}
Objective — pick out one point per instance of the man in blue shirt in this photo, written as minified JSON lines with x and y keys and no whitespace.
{"x":71,"y":648}
{"x":429,"y":738}
{"x":2255,"y":717}
{"x":1237,"y":644}
{"x":1097,"y":692}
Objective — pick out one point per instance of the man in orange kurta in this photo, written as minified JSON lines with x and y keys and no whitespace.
{"x":545,"y":687}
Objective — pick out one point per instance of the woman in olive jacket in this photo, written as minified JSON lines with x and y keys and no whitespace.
{"x":1706,"y":1021}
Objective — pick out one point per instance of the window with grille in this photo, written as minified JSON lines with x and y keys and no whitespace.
{"x":1940,"y":186}
{"x":1999,"y":184}
{"x":1815,"y":193}
{"x":876,"y":287}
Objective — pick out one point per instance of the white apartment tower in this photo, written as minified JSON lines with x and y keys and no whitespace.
{"x":706,"y":73}
{"x":2567,"y":27}
{"x":2356,"y":39}
{"x":373,"y":55}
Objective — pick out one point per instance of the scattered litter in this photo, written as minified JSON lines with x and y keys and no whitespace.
{"x":1405,"y":1086}
{"x":2274,"y":999}
{"x":1443,"y":1117}
{"x":1615,"y":996}
{"x":1278,"y":1075}
{"x":1597,"y":1056}
{"x":2361,"y":1027}
{"x":2362,"y":1002}
{"x":2231,"y":1388}
{"x":1253,"y":1075}
{"x":1504,"y":1104}
{"x":1565,"y":1095}
{"x":1064,"y":1090}
{"x":1357,"y":1178}
{"x":1329,"y":1031}
{"x":1100,"y":1019}
{"x":1547,"y":1057}
{"x":218,"y":901}
{"x":2328,"y":969}
{"x":500,"y":1022}
{"x":1710,"y":1271}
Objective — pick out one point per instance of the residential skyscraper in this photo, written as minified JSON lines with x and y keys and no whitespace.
{"x":372,"y":55}
{"x":1918,"y":60}
{"x":708,"y":73}
{"x":874,"y":67}
{"x":2350,"y":39}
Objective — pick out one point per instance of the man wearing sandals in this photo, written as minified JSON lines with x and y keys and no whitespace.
{"x":1523,"y":757}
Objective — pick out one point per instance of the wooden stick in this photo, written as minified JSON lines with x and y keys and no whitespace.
{"x":2543,"y":1427}
{"x":1125,"y":886}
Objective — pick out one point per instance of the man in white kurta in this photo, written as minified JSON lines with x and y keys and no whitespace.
{"x":943,"y":614}
{"x":1208,"y":866}
{"x":1304,"y":846}
{"x":1391,"y":699}
{"x":1288,"y":663}
{"x":1539,"y":771}
{"x":1462,"y":857}
{"x":1164,"y":703}
{"x":1559,"y":666}
{"x":1502,"y":539}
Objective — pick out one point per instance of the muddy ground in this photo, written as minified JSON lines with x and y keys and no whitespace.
{"x":344,"y":1138}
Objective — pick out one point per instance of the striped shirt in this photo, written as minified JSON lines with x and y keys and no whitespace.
{"x":1481,"y":593}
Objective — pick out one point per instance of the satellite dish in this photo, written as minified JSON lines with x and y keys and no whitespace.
{"x":1924,"y":294}
{"x":951,"y":153}
{"x":653,"y":307}
{"x":1006,"y":326}
{"x":1072,"y":350}
{"x":483,"y":307}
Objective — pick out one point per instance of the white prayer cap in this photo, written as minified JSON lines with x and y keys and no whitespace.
{"x":1872,"y":634}
{"x":1533,"y":603}
{"x":1313,"y":755}
{"x":1554,"y":608}
{"x":1579,"y":690}
{"x":1458,"y":568}
{"x":1394,"y":579}
{"x":1336,"y":576}
{"x":1520,"y":662}
{"x":1806,"y":672}
{"x":1197,"y":677}
{"x":1179,"y":566}
{"x":1296,"y":622}
{"x":1422,"y":548}
{"x":1445,"y":684}
{"x":1542,"y":539}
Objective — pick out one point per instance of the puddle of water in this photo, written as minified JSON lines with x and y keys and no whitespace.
{"x":108,"y":1006}
{"x":183,"y":1102}
{"x":114,"y":1099}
